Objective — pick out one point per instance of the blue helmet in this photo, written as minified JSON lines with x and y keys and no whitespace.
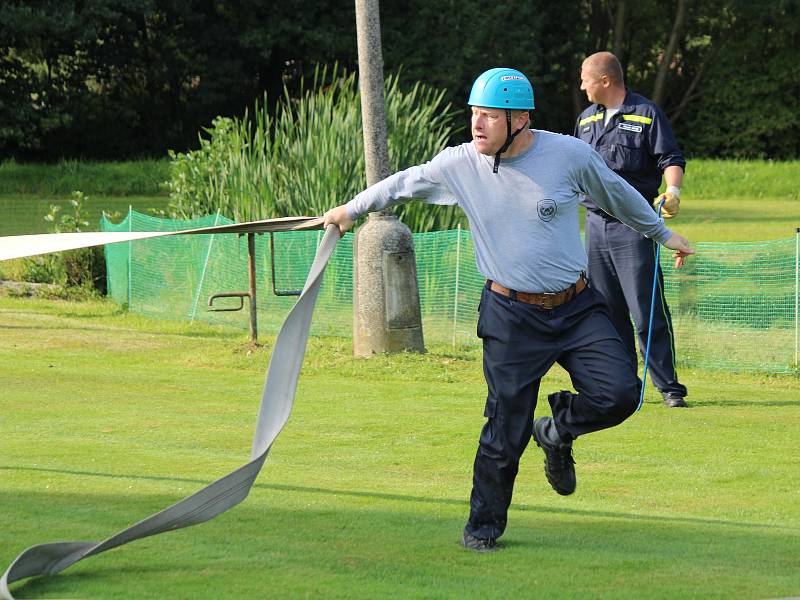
{"x":502,"y":88}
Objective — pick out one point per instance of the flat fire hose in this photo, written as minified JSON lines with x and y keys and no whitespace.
{"x":276,"y":400}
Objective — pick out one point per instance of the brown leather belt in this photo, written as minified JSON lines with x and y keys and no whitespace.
{"x":548,"y":300}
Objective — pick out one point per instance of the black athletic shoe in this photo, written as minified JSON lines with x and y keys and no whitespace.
{"x":559,"y":467}
{"x":470,"y":542}
{"x":674,"y":400}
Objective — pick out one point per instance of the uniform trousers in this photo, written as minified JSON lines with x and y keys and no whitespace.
{"x":621,"y":266}
{"x":521,"y":342}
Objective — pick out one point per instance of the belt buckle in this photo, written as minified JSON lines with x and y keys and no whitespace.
{"x":549,"y":300}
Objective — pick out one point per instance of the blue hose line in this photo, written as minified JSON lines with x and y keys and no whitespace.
{"x":650,"y":321}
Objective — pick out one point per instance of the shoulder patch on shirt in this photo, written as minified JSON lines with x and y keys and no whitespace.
{"x":629,"y":127}
{"x":547,"y":209}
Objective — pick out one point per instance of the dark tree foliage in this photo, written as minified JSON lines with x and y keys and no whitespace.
{"x":748,"y":101}
{"x":448,"y":44}
{"x":127,"y":78}
{"x":731,"y":87}
{"x":115,"y":79}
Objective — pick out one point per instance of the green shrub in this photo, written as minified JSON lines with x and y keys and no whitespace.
{"x":83,"y":268}
{"x":308,"y":156}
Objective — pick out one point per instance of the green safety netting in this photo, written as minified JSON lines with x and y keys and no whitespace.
{"x":734,"y":305}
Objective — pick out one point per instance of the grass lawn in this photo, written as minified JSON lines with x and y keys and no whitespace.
{"x":737,"y":219}
{"x":23,"y":214}
{"x":108,"y":417}
{"x":28,"y":189}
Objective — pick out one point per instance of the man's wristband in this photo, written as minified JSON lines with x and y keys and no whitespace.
{"x":673,"y":189}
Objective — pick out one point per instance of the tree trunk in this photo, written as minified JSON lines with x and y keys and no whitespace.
{"x":598,"y":21}
{"x":688,"y":95}
{"x":720,"y":41}
{"x":619,"y":29}
{"x":659,"y":89}
{"x":577,"y":96}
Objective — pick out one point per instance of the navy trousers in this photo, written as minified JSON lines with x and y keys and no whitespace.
{"x":521,"y":342}
{"x":621,"y":264}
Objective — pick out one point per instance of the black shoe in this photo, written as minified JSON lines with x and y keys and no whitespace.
{"x":674,"y":400}
{"x":559,"y":467}
{"x":470,"y":542}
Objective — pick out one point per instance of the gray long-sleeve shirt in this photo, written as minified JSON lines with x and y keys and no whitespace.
{"x":524,"y":218}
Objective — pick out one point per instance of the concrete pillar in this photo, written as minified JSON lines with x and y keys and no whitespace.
{"x":385,"y":292}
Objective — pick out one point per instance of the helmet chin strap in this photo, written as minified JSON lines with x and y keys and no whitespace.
{"x":509,"y":140}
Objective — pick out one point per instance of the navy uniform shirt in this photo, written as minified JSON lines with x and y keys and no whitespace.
{"x":637,"y":143}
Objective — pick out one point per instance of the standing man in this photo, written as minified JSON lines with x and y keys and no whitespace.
{"x":520,"y":189}
{"x":635,"y":139}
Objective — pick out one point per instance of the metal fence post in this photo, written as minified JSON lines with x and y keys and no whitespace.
{"x":251,"y":270}
{"x":203,"y":274}
{"x":458,"y":268}
{"x":796,"y":295}
{"x":130,"y":253}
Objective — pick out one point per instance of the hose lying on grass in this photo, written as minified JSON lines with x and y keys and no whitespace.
{"x":276,"y":400}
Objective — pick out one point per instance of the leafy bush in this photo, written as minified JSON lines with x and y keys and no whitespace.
{"x":309,"y":156}
{"x":83,"y":268}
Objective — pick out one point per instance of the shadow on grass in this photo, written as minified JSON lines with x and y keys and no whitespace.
{"x":298,"y":546}
{"x":699,"y":404}
{"x":233,"y":336}
{"x":744,"y":403}
{"x":51,"y":328}
{"x":418,"y":499}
